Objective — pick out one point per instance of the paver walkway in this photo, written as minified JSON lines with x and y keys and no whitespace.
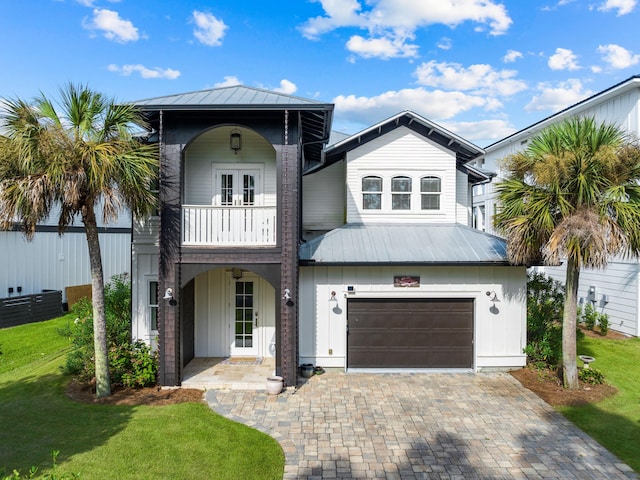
{"x":413,"y":426}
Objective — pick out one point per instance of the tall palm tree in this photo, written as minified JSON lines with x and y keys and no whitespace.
{"x":572,"y":194}
{"x":76,"y":157}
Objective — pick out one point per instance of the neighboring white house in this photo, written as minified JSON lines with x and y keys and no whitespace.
{"x":53,"y":262}
{"x":616,"y":289}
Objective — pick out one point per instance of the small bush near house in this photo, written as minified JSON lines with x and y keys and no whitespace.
{"x":603,"y":324}
{"x":590,"y":317}
{"x":545,"y":302}
{"x":591,"y":375}
{"x":130,"y":364}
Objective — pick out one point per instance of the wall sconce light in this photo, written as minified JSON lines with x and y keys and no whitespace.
{"x":235,"y":141}
{"x":236,"y":273}
{"x":333,"y":297}
{"x":168,"y":295}
{"x":493,"y":296}
{"x":287,"y":296}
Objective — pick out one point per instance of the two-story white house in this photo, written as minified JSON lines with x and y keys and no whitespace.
{"x":616,"y":289}
{"x":272,"y":245}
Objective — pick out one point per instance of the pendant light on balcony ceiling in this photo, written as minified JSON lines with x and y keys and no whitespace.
{"x":235,"y":141}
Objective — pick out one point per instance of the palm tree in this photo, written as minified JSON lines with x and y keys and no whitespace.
{"x":572,"y":194}
{"x":79,"y":156}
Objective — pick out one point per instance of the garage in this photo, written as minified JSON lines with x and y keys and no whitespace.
{"x":410,"y":333}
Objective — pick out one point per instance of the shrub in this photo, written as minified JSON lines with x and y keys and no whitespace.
{"x":130,"y":365}
{"x":545,"y":303}
{"x":588,"y":316}
{"x":603,"y":323}
{"x":591,"y":375}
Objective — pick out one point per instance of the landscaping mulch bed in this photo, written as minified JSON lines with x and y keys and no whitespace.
{"x":155,"y":396}
{"x":548,"y":385}
{"x":544,"y":383}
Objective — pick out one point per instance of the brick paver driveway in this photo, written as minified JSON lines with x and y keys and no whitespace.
{"x":411,"y":426}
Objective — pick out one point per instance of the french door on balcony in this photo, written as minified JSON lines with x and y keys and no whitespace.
{"x":237,"y":187}
{"x":238,"y":194}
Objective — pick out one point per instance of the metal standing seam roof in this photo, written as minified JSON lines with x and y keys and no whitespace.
{"x":236,"y":98}
{"x":405,"y":244}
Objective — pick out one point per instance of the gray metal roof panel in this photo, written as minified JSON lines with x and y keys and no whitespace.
{"x":404,"y":244}
{"x":228,"y":97}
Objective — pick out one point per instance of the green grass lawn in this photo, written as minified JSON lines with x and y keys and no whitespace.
{"x":615,"y":421}
{"x":101,"y":441}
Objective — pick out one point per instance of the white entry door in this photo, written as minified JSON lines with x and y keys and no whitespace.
{"x":244,"y":318}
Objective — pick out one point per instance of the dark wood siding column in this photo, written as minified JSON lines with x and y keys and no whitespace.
{"x":289,"y":234}
{"x":169,"y":268}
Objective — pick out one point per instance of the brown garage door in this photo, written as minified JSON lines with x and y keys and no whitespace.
{"x":412,"y":333}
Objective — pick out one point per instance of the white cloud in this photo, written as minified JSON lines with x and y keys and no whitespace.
{"x":511,"y":56}
{"x":229,"y":81}
{"x":209,"y":30}
{"x":563,"y":59}
{"x":445,"y":43}
{"x":486,"y":130}
{"x":555,"y":98}
{"x":156,"y":72}
{"x":112,"y":26}
{"x":382,"y":47}
{"x":392,"y":23}
{"x":623,"y":6}
{"x":618,"y":57}
{"x":287,"y":87}
{"x":433,"y":104}
{"x":479,"y":79}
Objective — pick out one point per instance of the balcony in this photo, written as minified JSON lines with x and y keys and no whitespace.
{"x":208,"y":226}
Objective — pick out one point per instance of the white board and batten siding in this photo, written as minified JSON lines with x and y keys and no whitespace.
{"x":499,"y":328}
{"x":53,"y":262}
{"x":214,"y":313}
{"x":617,"y":290}
{"x":402,"y":152}
{"x":212,"y":147}
{"x":144,"y":271}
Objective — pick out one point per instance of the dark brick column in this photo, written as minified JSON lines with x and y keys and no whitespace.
{"x":169,"y":268}
{"x":289,"y":234}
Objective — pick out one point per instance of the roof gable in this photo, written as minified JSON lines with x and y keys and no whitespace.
{"x":464,"y":151}
{"x":575,"y":109}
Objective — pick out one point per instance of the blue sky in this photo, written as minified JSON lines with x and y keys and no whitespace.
{"x":482,"y":68}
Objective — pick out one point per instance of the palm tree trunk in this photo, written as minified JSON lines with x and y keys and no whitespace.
{"x":569,"y":363}
{"x":103,"y":382}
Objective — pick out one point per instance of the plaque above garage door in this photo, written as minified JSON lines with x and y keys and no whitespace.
{"x":410,"y":333}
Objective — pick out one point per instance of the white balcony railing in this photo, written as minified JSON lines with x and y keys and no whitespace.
{"x":229,"y":225}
